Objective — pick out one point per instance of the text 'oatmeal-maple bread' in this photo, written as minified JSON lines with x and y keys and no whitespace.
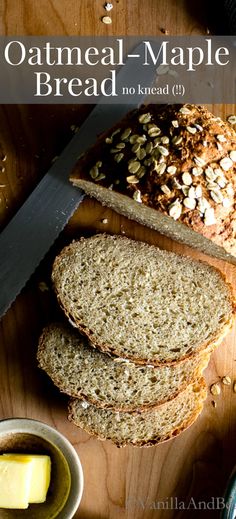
{"x":139,"y":302}
{"x":172,"y":168}
{"x":141,"y":429}
{"x":80,"y":371}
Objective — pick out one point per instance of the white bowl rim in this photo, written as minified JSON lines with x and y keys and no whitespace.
{"x":48,"y":433}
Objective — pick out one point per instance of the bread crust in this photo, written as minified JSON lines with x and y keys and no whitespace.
{"x":155,"y":441}
{"x":203,"y":144}
{"x":207,"y":345}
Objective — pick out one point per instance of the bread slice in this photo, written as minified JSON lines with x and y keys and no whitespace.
{"x":141,"y":429}
{"x":110,"y":382}
{"x":172,"y":168}
{"x":141,"y":303}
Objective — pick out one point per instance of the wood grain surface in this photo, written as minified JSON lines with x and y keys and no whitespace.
{"x":119,"y":483}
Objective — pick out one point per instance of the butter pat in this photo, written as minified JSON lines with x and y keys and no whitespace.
{"x":40,"y":475}
{"x":15,"y":480}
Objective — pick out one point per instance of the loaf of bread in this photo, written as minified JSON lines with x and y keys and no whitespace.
{"x":141,"y":429}
{"x":113,"y":383}
{"x":139,"y":302}
{"x":172,"y":168}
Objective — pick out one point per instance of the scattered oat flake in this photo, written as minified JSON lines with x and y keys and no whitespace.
{"x":137,"y":196}
{"x":233,"y":155}
{"x":163,"y":30}
{"x":226,"y":203}
{"x":108,"y":6}
{"x":74,"y":128}
{"x":175,"y":209}
{"x":209,"y":216}
{"x":226,"y":163}
{"x":184,"y":110}
{"x":107,"y":20}
{"x":43,"y":287}
{"x":54,"y":159}
{"x":215,"y":389}
{"x":162,"y":69}
{"x":221,"y":138}
{"x":173,"y":73}
{"x":231,"y":119}
{"x":226,"y":380}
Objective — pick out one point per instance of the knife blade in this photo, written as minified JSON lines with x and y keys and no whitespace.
{"x":29,"y":235}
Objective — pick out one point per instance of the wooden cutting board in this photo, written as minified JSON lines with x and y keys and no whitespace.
{"x":125,"y":483}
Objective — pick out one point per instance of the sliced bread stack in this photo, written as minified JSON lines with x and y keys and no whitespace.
{"x":145,"y":322}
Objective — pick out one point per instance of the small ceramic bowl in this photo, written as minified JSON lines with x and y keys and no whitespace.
{"x":229,"y":510}
{"x":22,"y":435}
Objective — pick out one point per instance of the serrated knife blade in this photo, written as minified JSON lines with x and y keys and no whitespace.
{"x":31,"y":232}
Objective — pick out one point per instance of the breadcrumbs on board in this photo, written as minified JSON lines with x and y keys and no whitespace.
{"x":164,"y":31}
{"x":54,"y":159}
{"x":43,"y":287}
{"x":226,"y":380}
{"x":108,"y":6}
{"x":231,"y":119}
{"x":215,"y":389}
{"x":107,"y":20}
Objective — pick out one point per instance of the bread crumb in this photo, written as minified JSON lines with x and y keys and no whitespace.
{"x":74,"y":128}
{"x":108,"y":6}
{"x":107,"y":20}
{"x":164,"y":31}
{"x":54,"y":159}
{"x":215,"y":389}
{"x":162,"y":70}
{"x":213,"y":403}
{"x":231,"y":119}
{"x":104,"y":220}
{"x":172,"y":72}
{"x":43,"y":287}
{"x":234,"y":386}
{"x":226,"y":380}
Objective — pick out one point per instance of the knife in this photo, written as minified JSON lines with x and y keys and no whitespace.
{"x":29,"y":235}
